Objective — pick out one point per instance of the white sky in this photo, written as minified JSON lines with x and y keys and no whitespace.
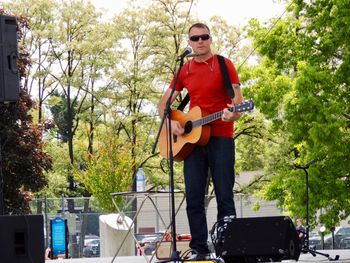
{"x":233,"y":11}
{"x":238,"y":12}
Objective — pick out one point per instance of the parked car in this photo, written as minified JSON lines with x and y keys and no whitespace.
{"x":345,"y":243}
{"x":340,"y":233}
{"x":313,"y":234}
{"x":315,"y":242}
{"x":91,"y":248}
{"x":89,"y":237}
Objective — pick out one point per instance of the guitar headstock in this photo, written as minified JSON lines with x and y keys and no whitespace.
{"x":244,"y":106}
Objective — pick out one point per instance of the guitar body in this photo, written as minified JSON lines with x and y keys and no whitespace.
{"x":197,"y":129}
{"x":184,"y":144}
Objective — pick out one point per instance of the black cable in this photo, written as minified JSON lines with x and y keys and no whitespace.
{"x":266,"y":34}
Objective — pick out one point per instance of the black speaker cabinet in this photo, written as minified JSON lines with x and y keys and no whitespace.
{"x":9,"y":76}
{"x":22,"y":239}
{"x":260,"y":239}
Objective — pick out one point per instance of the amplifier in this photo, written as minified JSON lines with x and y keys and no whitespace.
{"x":258,"y":239}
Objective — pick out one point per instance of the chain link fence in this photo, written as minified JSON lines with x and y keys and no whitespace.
{"x":82,"y":215}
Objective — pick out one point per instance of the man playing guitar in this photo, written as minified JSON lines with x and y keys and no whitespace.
{"x":203,"y":79}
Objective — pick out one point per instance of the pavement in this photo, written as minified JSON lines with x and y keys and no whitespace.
{"x":344,"y":257}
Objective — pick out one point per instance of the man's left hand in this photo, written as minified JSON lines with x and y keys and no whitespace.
{"x":229,"y":116}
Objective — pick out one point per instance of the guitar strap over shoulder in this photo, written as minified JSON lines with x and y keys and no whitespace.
{"x":226,"y":76}
{"x":227,"y":83}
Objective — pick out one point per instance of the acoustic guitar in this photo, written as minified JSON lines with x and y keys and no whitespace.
{"x":197,"y":130}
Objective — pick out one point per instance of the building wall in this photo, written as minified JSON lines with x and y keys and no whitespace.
{"x":150,"y":217}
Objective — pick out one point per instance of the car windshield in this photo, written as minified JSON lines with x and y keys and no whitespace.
{"x":92,"y":242}
{"x":344,"y":231}
{"x":313,"y":234}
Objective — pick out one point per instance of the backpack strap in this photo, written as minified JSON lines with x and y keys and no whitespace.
{"x":227,"y":83}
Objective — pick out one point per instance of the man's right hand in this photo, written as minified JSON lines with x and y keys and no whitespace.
{"x":176,"y":127}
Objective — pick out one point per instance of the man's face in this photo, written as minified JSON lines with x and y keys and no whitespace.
{"x":200,"y":40}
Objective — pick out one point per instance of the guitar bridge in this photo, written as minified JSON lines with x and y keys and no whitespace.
{"x":174,"y":138}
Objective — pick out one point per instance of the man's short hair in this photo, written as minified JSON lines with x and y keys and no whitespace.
{"x":198,"y":25}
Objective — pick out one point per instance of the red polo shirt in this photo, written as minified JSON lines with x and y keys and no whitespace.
{"x":205,"y":85}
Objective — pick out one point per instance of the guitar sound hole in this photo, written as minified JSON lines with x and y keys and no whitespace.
{"x":188,"y":127}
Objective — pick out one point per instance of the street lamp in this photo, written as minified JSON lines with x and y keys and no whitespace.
{"x":322,"y":229}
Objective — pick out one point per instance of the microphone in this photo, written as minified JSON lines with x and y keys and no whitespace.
{"x":186,"y":53}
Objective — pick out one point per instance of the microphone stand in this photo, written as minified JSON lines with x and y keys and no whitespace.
{"x":175,"y":256}
{"x":305,"y":247}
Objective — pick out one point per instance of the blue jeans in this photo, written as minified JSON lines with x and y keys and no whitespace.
{"x":218,"y":156}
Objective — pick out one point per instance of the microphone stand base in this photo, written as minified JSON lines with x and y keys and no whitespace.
{"x":313,"y":252}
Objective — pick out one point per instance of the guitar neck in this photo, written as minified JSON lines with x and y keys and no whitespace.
{"x":248,"y":105}
{"x":208,"y":119}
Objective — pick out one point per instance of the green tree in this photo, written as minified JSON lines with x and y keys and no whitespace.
{"x":58,"y":108}
{"x":22,"y":158}
{"x":74,"y":24}
{"x":303,"y":88}
{"x":37,"y":79}
{"x":102,"y":173}
{"x":135,"y":77}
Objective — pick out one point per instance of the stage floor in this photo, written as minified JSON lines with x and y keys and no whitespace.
{"x":344,"y":256}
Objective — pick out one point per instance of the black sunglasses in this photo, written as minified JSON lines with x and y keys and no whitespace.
{"x":195,"y":38}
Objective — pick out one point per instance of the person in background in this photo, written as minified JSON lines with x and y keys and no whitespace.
{"x":300,"y":230}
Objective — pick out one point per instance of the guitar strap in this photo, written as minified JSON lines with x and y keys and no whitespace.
{"x":227,"y":83}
